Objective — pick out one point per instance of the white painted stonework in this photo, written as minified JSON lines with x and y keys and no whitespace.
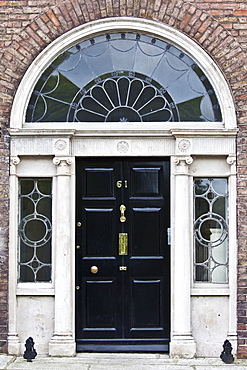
{"x":202,"y":315}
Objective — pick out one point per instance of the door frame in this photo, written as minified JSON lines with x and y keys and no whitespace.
{"x":50,"y":150}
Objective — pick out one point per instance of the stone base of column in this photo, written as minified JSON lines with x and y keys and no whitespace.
{"x":182,"y":346}
{"x":14,"y":347}
{"x":62,"y":345}
{"x":233,"y":339}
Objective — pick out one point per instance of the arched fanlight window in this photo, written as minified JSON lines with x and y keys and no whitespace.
{"x":123,"y":77}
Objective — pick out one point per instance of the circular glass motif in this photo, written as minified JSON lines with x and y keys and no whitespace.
{"x":210,"y":230}
{"x":35,"y":230}
{"x":123,"y":98}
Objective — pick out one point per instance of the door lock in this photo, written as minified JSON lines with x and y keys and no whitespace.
{"x":123,"y":268}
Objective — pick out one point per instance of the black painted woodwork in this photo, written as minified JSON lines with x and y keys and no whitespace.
{"x":122,"y":310}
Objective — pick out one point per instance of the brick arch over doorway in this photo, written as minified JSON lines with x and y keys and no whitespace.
{"x":28,"y":28}
{"x":199,"y":24}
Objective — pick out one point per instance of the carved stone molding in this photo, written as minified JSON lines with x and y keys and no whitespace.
{"x":64,"y":343}
{"x":231,"y":160}
{"x":63,"y":165}
{"x":123,"y":147}
{"x":184,"y":145}
{"x":13,"y":344}
{"x":14,"y":161}
{"x":182,"y":163}
{"x":61,"y":146}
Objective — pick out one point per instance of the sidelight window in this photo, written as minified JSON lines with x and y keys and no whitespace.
{"x":35,"y":230}
{"x":210,"y":230}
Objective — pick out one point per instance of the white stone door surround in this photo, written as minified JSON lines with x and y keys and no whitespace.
{"x":50,"y":149}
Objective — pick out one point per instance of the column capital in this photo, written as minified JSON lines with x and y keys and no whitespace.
{"x":231,"y":160}
{"x":63,"y":165}
{"x":182,"y":162}
{"x":14,"y":161}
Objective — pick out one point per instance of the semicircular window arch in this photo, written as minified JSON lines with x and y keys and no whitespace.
{"x":123,"y":77}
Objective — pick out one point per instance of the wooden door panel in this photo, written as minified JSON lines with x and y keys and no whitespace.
{"x":146,"y":306}
{"x":100,"y":304}
{"x":150,"y":267}
{"x":98,"y":182}
{"x":97,"y":304}
{"x":145,"y":181}
{"x":146,"y":231}
{"x":99,"y":232}
{"x":100,"y":301}
{"x":126,"y":304}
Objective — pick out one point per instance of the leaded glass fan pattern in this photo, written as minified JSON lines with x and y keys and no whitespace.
{"x":123,"y":77}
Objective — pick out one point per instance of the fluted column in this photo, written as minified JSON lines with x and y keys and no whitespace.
{"x":13,"y":338}
{"x":63,"y":342}
{"x":182,"y":342}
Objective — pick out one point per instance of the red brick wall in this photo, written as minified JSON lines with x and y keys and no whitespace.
{"x":220,"y":27}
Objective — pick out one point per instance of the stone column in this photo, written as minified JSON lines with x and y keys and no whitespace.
{"x":233,"y":252}
{"x":63,"y":342}
{"x":182,"y":342}
{"x":13,"y":338}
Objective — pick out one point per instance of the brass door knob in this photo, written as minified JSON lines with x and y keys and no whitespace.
{"x":94,"y":269}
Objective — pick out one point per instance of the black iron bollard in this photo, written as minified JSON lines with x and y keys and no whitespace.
{"x":30,"y":352}
{"x":226,"y":355}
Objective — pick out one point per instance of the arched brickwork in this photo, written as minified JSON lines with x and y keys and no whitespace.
{"x":190,"y":19}
{"x":219,"y":28}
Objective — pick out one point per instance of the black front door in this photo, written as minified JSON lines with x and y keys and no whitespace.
{"x":122,"y":255}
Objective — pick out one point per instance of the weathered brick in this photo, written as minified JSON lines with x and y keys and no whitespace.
{"x":240,"y":12}
{"x":53,"y":18}
{"x":72,"y":14}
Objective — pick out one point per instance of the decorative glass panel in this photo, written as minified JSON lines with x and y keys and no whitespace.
{"x":210,"y":230}
{"x":123,"y":77}
{"x":35,"y":228}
